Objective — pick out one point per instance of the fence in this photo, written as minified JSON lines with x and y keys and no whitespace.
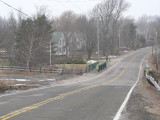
{"x":25,"y":69}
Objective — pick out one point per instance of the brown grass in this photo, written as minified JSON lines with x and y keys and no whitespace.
{"x":71,"y":66}
{"x":10,"y":85}
{"x":26,"y":73}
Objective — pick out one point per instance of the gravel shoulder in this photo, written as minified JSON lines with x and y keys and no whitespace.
{"x":144,"y":103}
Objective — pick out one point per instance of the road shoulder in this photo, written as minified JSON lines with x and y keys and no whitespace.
{"x":144,"y":102}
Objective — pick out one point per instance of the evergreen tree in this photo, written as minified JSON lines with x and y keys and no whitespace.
{"x":32,"y":41}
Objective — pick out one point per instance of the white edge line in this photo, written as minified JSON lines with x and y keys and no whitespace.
{"x":118,"y":114}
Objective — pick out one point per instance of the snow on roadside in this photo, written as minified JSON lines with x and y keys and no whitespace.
{"x":16,"y":85}
{"x":91,"y":61}
{"x":112,"y":56}
{"x":22,"y":80}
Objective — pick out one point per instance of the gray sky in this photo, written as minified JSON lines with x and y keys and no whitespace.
{"x":137,"y":8}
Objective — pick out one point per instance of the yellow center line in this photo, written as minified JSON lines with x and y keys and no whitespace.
{"x":25,"y":109}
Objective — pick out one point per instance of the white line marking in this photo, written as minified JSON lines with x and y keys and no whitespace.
{"x":118,"y":114}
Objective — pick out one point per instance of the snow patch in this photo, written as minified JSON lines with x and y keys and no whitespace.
{"x":112,"y":56}
{"x":91,"y":61}
{"x":126,"y":51}
{"x":51,"y":79}
{"x":16,"y":85}
{"x":22,"y":80}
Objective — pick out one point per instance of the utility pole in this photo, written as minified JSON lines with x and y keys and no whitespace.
{"x":119,"y":43}
{"x":137,"y":41}
{"x":157,"y":48}
{"x":152,"y":47}
{"x":50,"y":54}
{"x":98,"y":37}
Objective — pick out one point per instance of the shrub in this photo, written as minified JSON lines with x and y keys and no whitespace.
{"x":3,"y":87}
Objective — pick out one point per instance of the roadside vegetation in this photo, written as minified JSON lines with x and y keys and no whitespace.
{"x":3,"y":87}
{"x":4,"y":63}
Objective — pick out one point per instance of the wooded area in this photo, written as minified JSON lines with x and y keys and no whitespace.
{"x":30,"y":41}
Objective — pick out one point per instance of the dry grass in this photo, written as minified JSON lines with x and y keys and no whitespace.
{"x":4,"y":62}
{"x":26,"y":73}
{"x":11,"y":85}
{"x":71,"y":66}
{"x":3,"y":87}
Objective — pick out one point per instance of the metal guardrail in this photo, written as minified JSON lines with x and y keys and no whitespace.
{"x":151,"y":79}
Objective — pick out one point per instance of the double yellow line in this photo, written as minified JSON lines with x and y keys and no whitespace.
{"x":25,"y":109}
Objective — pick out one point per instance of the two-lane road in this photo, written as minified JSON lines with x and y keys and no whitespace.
{"x":96,"y":99}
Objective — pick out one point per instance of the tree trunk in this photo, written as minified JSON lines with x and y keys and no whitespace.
{"x":89,"y":54}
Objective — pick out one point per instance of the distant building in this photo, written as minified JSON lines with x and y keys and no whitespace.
{"x":76,"y":43}
{"x":3,"y":53}
{"x":60,"y":44}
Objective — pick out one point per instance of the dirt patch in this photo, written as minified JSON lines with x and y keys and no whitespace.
{"x":16,"y":85}
{"x":144,"y":103}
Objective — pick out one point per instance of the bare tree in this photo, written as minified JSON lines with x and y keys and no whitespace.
{"x":66,"y":26}
{"x":87,"y":29}
{"x":3,"y":32}
{"x":148,"y":26}
{"x":108,"y":13}
{"x":128,"y":33}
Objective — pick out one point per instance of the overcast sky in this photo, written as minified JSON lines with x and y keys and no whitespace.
{"x":137,"y":7}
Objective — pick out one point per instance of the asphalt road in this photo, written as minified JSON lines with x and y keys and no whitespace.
{"x":96,"y":99}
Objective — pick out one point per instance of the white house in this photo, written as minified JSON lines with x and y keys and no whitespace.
{"x":76,"y":43}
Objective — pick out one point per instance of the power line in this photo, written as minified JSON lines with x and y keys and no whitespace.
{"x":44,"y":2}
{"x":79,"y":0}
{"x":76,"y":5}
{"x":71,"y":3}
{"x":62,"y":3}
{"x":14,"y":8}
{"x":79,"y":7}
